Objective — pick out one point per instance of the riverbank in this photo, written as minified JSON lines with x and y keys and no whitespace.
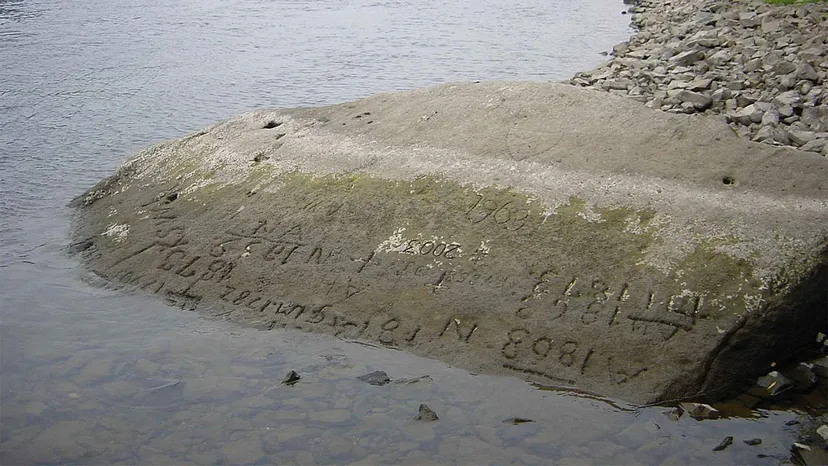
{"x":763,"y":67}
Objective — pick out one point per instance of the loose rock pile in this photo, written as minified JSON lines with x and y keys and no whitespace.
{"x":764,"y":67}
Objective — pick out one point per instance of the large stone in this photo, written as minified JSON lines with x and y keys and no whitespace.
{"x":800,"y":138}
{"x":806,"y":71}
{"x":814,"y":145}
{"x":551,"y":232}
{"x":789,"y":98}
{"x":749,"y":19}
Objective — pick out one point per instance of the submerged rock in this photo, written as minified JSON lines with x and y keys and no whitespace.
{"x":291,"y":378}
{"x":554,"y":233}
{"x":426,"y":414}
{"x":517,"y":420}
{"x":674,"y":414}
{"x":413,"y":380}
{"x":377,"y":378}
{"x":724,"y":444}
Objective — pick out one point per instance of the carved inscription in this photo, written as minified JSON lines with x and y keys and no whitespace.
{"x":429,"y":248}
{"x":531,"y":315}
{"x":594,"y":300}
{"x":505,"y":214}
{"x":463,"y":332}
{"x":277,"y":244}
{"x":559,"y":301}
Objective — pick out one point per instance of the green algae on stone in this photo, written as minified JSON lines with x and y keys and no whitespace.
{"x":621,"y":269}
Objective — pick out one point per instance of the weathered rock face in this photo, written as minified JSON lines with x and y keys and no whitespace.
{"x":554,"y":233}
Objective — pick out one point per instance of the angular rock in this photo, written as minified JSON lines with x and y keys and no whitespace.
{"x":800,"y":138}
{"x":808,"y":455}
{"x":770,"y":27}
{"x":765,"y":133}
{"x":720,"y":94}
{"x":291,"y":378}
{"x":791,"y":98}
{"x":707,"y":38}
{"x":816,"y":118}
{"x":719,"y":57}
{"x":823,"y":432}
{"x":745,"y":99}
{"x":771,"y":385}
{"x":724,"y":444}
{"x":771,"y":59}
{"x":787,"y":82}
{"x":687,"y":58}
{"x":747,"y":115}
{"x":617,"y":84}
{"x":413,"y":380}
{"x":749,"y":19}
{"x":735,"y":85}
{"x":806,"y":71}
{"x":814,"y":145}
{"x":700,"y":411}
{"x":426,"y":414}
{"x":698,"y":84}
{"x":697,"y":100}
{"x":770,"y":118}
{"x":787,"y":112}
{"x":542,"y":230}
{"x":620,"y":48}
{"x":677,"y":84}
{"x":753,"y":65}
{"x":784,"y":67}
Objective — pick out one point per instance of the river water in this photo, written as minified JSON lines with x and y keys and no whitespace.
{"x":95,"y":375}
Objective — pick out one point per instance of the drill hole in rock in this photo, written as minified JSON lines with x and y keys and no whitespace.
{"x":728,"y":180}
{"x":272,"y":124}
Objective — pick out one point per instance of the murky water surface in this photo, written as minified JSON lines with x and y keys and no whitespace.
{"x":93,"y":375}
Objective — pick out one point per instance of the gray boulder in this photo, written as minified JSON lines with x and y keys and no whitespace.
{"x":554,"y":233}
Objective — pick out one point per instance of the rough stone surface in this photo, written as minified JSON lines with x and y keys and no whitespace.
{"x":771,"y":385}
{"x":700,"y":411}
{"x":554,"y":233}
{"x":734,"y":52}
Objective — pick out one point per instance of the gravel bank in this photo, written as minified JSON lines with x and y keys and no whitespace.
{"x":763,"y":67}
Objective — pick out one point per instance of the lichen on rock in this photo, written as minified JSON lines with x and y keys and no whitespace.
{"x":531,"y":229}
